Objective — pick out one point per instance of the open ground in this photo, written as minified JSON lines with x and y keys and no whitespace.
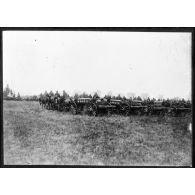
{"x":35,"y":136}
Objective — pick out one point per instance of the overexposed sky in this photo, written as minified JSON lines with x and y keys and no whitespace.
{"x":121,"y":62}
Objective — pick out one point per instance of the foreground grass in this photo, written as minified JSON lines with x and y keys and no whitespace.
{"x":34,"y":136}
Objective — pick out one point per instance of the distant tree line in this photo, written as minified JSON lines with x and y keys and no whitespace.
{"x":131,"y":96}
{"x":9,"y":94}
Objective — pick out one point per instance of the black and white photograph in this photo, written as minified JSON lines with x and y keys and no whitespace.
{"x":97,"y":97}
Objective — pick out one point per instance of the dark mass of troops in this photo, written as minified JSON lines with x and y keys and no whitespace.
{"x":94,"y":105}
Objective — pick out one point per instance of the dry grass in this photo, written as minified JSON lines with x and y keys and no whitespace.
{"x":35,"y":136}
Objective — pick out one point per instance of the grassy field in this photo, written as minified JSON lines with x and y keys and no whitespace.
{"x":33,"y":136}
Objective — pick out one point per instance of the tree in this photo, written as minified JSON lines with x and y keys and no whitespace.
{"x":6,"y":91}
{"x":160,"y":97}
{"x":144,"y":96}
{"x":130,"y":95}
{"x":118,"y":97}
{"x":108,"y":95}
{"x":176,"y":98}
{"x":84,"y":95}
{"x":57,"y":93}
{"x":76,"y":96}
{"x":45,"y":93}
{"x":96,"y":94}
{"x":51,"y":93}
{"x":18,"y":96}
{"x":65,"y":94}
{"x":139,"y":98}
{"x":124,"y":98}
{"x":11,"y":93}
